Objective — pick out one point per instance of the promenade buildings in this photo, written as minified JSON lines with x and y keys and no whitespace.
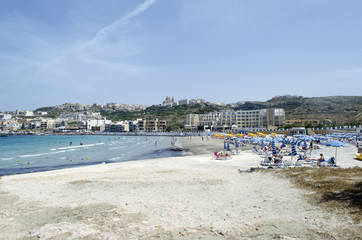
{"x":237,"y":120}
{"x":151,"y":125}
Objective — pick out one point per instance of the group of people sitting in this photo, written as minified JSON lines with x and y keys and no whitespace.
{"x":319,"y":160}
{"x":222,"y":156}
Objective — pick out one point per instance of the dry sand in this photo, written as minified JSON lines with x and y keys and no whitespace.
{"x":191,"y":197}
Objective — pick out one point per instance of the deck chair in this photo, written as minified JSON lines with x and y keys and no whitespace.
{"x":330,"y":163}
{"x":299,"y":163}
{"x":267,"y":161}
{"x":288,"y":164}
{"x":277,"y":162}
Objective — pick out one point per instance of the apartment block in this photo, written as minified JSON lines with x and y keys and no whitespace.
{"x":237,"y":120}
{"x":151,"y":125}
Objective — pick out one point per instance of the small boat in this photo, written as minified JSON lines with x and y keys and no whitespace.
{"x":359,"y":156}
{"x":3,"y":135}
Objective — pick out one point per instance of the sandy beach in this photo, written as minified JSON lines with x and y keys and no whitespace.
{"x":190,"y":197}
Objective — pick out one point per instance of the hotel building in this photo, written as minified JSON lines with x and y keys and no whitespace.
{"x":237,"y":120}
{"x":151,"y":125}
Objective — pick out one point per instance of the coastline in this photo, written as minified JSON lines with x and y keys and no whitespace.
{"x":187,"y":197}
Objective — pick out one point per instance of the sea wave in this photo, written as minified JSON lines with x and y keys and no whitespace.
{"x":80,"y":146}
{"x":6,"y":159}
{"x":47,"y":154}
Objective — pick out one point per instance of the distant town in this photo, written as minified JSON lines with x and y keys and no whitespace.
{"x":87,"y":119}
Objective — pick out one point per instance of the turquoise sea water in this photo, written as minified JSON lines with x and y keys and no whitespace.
{"x":24,"y":154}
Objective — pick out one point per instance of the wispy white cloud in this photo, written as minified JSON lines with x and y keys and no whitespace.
{"x":97,"y":52}
{"x":107,"y":31}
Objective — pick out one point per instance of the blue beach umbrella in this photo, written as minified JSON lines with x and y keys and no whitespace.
{"x":294,"y":149}
{"x":262,"y":143}
{"x":336,"y":144}
{"x":305,"y":144}
{"x":283,"y":143}
{"x":274,"y":148}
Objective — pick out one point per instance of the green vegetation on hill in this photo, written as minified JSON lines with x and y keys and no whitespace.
{"x":175,"y":116}
{"x":300,"y":111}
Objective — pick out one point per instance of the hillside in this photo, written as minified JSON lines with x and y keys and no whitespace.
{"x":300,"y":111}
{"x":334,"y":110}
{"x":175,"y":116}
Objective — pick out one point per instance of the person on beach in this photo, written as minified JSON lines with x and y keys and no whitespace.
{"x":320,"y":159}
{"x":278,"y":159}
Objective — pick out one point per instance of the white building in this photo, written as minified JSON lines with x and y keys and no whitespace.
{"x":122,"y":126}
{"x":24,"y":113}
{"x":190,"y":101}
{"x":5,"y":116}
{"x":40,"y":113}
{"x":239,"y":120}
{"x":97,"y":124}
{"x":184,"y":102}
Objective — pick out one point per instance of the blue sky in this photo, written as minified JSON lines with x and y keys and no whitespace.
{"x":140,"y":51}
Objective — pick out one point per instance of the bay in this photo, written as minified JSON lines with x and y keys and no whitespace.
{"x":25,"y":154}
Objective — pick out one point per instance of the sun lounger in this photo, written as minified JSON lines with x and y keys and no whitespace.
{"x":330,"y":163}
{"x":268,"y":161}
{"x":288,"y":164}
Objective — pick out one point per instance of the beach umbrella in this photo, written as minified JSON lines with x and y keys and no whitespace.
{"x":294,"y":149}
{"x":336,"y":144}
{"x":228,"y":146}
{"x":305,"y":144}
{"x":262,"y":143}
{"x":274,"y":149}
{"x":283,"y":143}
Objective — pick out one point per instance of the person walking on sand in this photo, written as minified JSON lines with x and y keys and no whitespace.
{"x":155,"y":143}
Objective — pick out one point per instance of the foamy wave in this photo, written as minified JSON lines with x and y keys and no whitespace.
{"x":80,"y":146}
{"x":6,"y":159}
{"x":47,"y":154}
{"x":115,"y":158}
{"x":31,"y":155}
